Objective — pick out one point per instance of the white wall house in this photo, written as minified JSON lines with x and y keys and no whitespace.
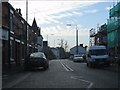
{"x":81,"y":50}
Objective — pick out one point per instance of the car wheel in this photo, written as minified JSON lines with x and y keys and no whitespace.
{"x":26,"y":68}
{"x":46,"y":67}
{"x":87,"y":65}
{"x":108,"y":64}
{"x":90,"y":64}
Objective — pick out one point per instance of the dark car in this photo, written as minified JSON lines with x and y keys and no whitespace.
{"x":37,"y":59}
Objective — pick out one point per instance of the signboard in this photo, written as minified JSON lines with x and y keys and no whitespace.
{"x":3,"y":34}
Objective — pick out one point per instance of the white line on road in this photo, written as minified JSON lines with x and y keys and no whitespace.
{"x":77,"y":76}
{"x":69,"y":68}
{"x":90,"y":83}
{"x":13,"y":83}
{"x":64,"y":67}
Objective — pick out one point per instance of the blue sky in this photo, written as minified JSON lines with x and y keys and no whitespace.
{"x":52,"y":16}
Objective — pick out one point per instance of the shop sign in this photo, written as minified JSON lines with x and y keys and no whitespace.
{"x":4,"y":34}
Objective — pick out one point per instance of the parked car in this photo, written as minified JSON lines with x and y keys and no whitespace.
{"x":71,"y":57}
{"x":37,"y":59}
{"x":78,"y":58}
{"x":97,"y":55}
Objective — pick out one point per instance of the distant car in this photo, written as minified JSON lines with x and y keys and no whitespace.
{"x":37,"y":59}
{"x":78,"y":58}
{"x":71,"y":57}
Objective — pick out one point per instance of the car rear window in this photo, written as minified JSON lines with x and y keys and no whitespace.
{"x":38,"y":54}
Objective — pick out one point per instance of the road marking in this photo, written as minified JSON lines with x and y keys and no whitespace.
{"x":64,"y":67}
{"x":77,"y":76}
{"x":69,"y":68}
{"x":90,"y":83}
{"x":13,"y":83}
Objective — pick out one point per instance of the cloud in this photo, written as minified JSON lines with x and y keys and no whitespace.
{"x":91,"y":11}
{"x":45,"y":11}
{"x":51,"y":15}
{"x":77,"y":13}
{"x":108,"y":8}
{"x":62,"y":31}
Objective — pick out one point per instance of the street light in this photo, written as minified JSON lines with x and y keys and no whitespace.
{"x":76,"y":36}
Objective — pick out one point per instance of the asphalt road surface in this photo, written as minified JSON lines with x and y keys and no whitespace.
{"x":66,"y":74}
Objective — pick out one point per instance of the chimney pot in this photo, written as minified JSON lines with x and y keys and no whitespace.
{"x":19,"y":10}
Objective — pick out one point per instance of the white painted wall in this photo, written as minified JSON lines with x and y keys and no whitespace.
{"x":81,"y":50}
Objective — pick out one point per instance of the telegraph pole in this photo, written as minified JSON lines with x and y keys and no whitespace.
{"x":76,"y":39}
{"x":26,"y":10}
{"x":27,"y":26}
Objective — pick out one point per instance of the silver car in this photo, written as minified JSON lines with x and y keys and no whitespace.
{"x":78,"y":58}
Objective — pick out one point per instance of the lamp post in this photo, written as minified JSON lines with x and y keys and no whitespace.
{"x":76,"y":36}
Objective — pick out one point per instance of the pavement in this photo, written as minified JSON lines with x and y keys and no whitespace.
{"x":11,"y":74}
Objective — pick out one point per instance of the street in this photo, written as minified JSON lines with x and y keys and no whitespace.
{"x":64,"y":73}
{"x":56,"y":34}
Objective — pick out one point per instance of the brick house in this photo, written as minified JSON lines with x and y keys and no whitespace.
{"x":16,"y":45}
{"x":14,"y":36}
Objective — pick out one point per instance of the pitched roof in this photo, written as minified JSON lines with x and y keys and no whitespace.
{"x":34,"y":25}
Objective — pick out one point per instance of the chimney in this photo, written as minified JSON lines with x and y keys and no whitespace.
{"x":81,"y":45}
{"x":19,"y":11}
{"x":86,"y":47}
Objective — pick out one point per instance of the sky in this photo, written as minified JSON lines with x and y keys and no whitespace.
{"x":53,"y":16}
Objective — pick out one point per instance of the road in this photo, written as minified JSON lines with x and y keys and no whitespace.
{"x":66,"y":74}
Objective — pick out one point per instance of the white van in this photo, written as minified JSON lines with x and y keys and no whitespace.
{"x":97,"y":55}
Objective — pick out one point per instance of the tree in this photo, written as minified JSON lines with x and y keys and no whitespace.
{"x":61,"y":43}
{"x":63,"y":49}
{"x":64,"y":44}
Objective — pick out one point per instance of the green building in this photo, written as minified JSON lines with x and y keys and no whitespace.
{"x":113,"y":30}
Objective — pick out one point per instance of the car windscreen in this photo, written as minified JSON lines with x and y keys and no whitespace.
{"x":98,"y":52}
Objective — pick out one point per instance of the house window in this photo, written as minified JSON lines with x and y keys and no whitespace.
{"x":11,"y":51}
{"x":11,"y":21}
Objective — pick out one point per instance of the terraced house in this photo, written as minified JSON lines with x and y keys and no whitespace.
{"x":14,"y":36}
{"x":16,"y":45}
